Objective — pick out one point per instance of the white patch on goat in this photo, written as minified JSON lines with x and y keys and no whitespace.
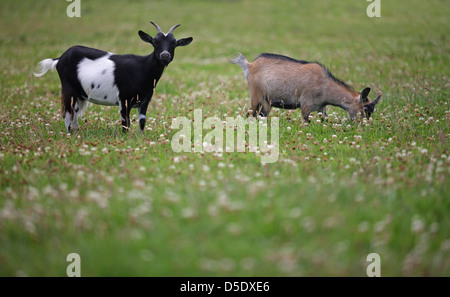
{"x":82,"y":105}
{"x":78,"y":111}
{"x":120,"y":112}
{"x":67,"y":120}
{"x":97,"y":79}
{"x":141,"y":116}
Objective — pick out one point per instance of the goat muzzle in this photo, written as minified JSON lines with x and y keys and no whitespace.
{"x":165,"y":57}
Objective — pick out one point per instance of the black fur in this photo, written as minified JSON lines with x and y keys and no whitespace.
{"x":282,"y":104}
{"x":281,"y":57}
{"x":336,"y":80}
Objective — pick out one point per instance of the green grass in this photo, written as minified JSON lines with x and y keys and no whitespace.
{"x":130,"y":206}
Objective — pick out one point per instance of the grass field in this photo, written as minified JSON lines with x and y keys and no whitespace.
{"x":131,"y":206}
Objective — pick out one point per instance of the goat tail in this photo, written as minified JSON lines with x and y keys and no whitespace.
{"x":241,"y":61}
{"x":46,"y":65}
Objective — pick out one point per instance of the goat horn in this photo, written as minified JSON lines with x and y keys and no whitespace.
{"x":173,"y":28}
{"x":157,"y":27}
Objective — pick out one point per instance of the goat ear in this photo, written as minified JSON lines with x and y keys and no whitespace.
{"x":184,"y":41}
{"x":145,"y":37}
{"x":364,"y":95}
{"x":369,"y":108}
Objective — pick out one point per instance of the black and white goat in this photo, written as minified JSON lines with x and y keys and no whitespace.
{"x":92,"y":75}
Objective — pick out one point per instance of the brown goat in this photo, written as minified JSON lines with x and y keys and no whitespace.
{"x":283,"y":82}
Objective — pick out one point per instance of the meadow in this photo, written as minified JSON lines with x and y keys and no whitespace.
{"x":131,"y":206}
